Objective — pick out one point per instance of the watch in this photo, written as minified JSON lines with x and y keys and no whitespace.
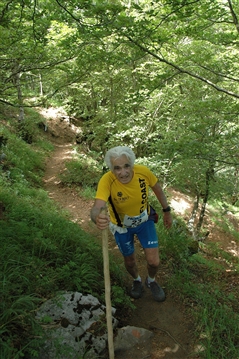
{"x":167,"y":209}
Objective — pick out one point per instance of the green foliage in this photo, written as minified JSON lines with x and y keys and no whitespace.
{"x":120,"y":299}
{"x":82,"y":171}
{"x":175,"y":245}
{"x":157,"y":76}
{"x":24,"y":164}
{"x":225,"y":210}
{"x":219,"y":331}
{"x":87,"y":192}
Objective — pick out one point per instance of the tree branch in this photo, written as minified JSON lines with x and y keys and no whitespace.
{"x":181,"y":70}
{"x":4,"y":10}
{"x":199,"y":157}
{"x":234,"y":16}
{"x":218,"y":73}
{"x":68,"y":12}
{"x":8,"y":103}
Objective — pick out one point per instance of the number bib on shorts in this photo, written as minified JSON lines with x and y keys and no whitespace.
{"x":134,"y":221}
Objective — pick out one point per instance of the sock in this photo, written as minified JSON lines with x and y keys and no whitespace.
{"x":150,"y":280}
{"x":138,"y":278}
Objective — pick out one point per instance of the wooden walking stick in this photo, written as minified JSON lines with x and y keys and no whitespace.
{"x":107,"y":289}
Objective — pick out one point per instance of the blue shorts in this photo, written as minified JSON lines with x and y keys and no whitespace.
{"x":146,"y":234}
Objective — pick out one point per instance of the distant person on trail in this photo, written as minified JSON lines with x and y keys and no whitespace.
{"x":125,"y":187}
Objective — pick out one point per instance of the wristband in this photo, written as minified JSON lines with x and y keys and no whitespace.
{"x":167,"y":209}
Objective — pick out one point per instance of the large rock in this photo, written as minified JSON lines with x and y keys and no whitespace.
{"x":128,"y":337}
{"x":75,"y":325}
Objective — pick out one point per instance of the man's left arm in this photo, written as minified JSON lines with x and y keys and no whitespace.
{"x":167,"y":217}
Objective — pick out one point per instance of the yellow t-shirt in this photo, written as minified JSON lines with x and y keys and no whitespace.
{"x":128,"y":199}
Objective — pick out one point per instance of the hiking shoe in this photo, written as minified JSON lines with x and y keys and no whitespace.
{"x":136,"y":290}
{"x":156,"y":290}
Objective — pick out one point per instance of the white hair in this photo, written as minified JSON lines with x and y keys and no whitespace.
{"x":117,"y":152}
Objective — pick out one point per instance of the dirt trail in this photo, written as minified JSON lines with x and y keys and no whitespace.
{"x":173,"y":330}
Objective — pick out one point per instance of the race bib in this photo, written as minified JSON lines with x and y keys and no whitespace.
{"x":134,"y":221}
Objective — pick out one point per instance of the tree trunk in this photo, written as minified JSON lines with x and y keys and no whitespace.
{"x":235,"y":190}
{"x":41,"y":86}
{"x":17,"y":83}
{"x":209,"y":176}
{"x":192,"y":218}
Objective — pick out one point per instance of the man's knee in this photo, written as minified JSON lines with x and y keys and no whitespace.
{"x":153,"y":263}
{"x":152,"y":257}
{"x":130,"y":261}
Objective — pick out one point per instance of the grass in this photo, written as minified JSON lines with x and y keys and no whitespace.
{"x":87,"y":192}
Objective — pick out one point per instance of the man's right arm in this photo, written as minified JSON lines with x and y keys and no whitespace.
{"x":101,"y":220}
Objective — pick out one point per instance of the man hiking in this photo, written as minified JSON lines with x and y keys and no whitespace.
{"x":125,"y":187}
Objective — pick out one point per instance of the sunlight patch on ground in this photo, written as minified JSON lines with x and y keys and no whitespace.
{"x":170,"y":350}
{"x":180,"y":205}
{"x":234,"y":249}
{"x":68,"y":154}
{"x":52,"y":112}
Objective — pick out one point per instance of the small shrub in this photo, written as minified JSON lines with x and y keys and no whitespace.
{"x":87,"y":192}
{"x":81,"y":171}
